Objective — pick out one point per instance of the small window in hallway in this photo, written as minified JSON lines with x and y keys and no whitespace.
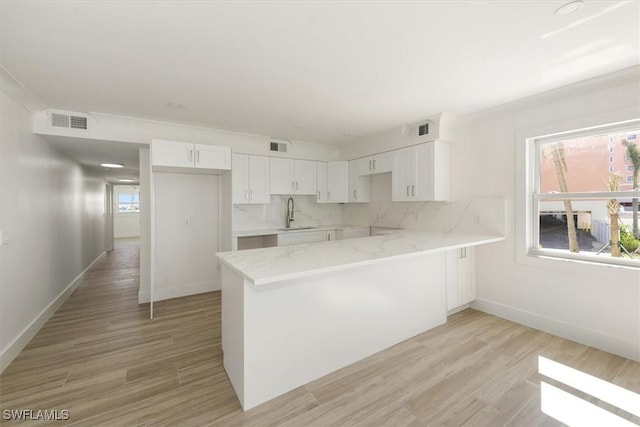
{"x":128,"y":202}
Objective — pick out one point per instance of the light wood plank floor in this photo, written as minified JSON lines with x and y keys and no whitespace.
{"x":100,"y":358}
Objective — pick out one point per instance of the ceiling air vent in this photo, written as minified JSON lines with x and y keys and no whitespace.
{"x":423,"y":129}
{"x":68,"y":121}
{"x":278,"y":146}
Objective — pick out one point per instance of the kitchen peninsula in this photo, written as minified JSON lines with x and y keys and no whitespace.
{"x":292,"y":314}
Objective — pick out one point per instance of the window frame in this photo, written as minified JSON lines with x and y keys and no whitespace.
{"x":528,"y":159}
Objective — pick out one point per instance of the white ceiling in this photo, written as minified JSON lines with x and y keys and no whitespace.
{"x":91,"y":152}
{"x":328,"y":72}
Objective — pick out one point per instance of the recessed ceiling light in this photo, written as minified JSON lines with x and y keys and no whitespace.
{"x":174,"y":105}
{"x":569,"y":8}
{"x":125,"y":180}
{"x":346,"y":135}
{"x":112,"y":165}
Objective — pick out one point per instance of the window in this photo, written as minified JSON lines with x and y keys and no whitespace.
{"x":572,"y":203}
{"x":611,"y":148}
{"x":632,"y":137}
{"x":629,"y":178}
{"x":629,"y":168}
{"x":128,"y":202}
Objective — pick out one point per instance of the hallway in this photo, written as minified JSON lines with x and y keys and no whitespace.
{"x":102,"y":359}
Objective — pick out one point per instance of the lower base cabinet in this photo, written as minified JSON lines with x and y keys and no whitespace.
{"x":461,"y":285}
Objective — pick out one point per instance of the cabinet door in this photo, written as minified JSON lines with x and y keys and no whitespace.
{"x":212,"y":157}
{"x":321,"y":182}
{"x":422,"y":172}
{"x":305,"y":177}
{"x":364,"y":166}
{"x":359,"y":185}
{"x":259,"y":179}
{"x":466,"y":275}
{"x":461,"y":286}
{"x":401,"y":174}
{"x":382,"y":162}
{"x":338,"y":182}
{"x":454,"y":299}
{"x":172,"y":153}
{"x":281,"y":176}
{"x":240,"y":178}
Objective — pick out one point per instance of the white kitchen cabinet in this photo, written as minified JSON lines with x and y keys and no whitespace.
{"x":359,"y":185}
{"x":299,"y":237}
{"x":378,"y":163}
{"x":332,"y":182}
{"x":461,"y":286}
{"x":289,"y":176}
{"x":250,"y":179}
{"x":421,"y":172}
{"x":189,"y":155}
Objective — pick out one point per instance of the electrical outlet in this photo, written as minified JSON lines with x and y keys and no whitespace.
{"x":477,"y":219}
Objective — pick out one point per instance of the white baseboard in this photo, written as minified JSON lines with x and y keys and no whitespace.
{"x":616,"y":345}
{"x":15,"y":347}
{"x":160,"y":294}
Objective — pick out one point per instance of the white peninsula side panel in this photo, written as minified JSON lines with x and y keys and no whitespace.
{"x":284,"y":334}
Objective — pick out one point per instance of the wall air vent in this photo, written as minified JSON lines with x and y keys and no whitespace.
{"x":423,"y":129}
{"x":68,"y":121}
{"x":280,"y":147}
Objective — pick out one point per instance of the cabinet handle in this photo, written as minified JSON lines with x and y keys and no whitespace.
{"x":293,"y":186}
{"x":374,"y":164}
{"x":369,"y":164}
{"x":246,"y":194}
{"x":408,"y":191}
{"x":250,"y":194}
{"x":328,"y":195}
{"x":191,"y":155}
{"x":329,"y":236}
{"x":463,"y":253}
{"x":355,"y":194}
{"x":197,"y":156}
{"x":297,"y":185}
{"x":413,"y":190}
{"x":318,"y":195}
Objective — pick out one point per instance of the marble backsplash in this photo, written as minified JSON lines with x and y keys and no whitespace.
{"x":307,"y":213}
{"x":476,"y":216}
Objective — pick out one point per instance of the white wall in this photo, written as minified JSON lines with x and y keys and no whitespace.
{"x":594,"y":304}
{"x":128,"y":129}
{"x":52,"y":213}
{"x":145,"y":225}
{"x":125,"y":224}
{"x":187,"y":210}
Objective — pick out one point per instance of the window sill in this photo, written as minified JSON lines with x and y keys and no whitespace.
{"x":584,"y":258}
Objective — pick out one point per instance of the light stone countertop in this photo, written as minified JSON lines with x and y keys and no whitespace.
{"x":269,"y":265}
{"x":267,"y":231}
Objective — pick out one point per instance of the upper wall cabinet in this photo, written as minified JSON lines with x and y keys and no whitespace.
{"x":359,"y":185}
{"x":378,"y":163}
{"x":332,"y":182}
{"x":250,"y":179}
{"x":288,"y":176}
{"x":421,"y":173}
{"x":189,"y":155}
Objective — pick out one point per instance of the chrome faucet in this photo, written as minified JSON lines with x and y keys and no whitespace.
{"x":290,"y":206}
